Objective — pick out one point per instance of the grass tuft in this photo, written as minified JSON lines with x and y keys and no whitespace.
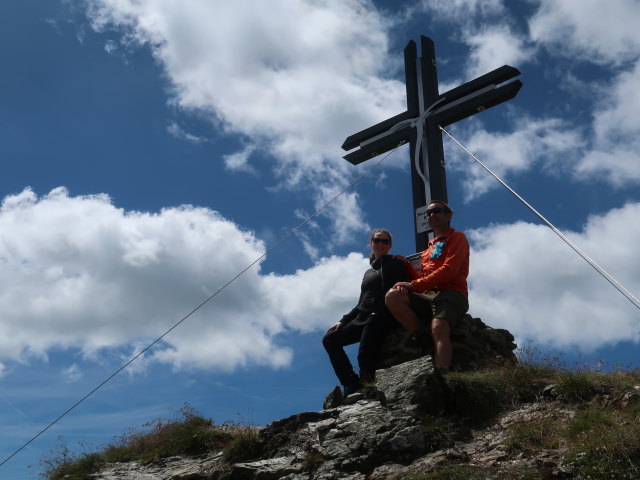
{"x":186,"y":433}
{"x":243,"y":447}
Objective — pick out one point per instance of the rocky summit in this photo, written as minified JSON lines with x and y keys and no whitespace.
{"x":376,"y":433}
{"x":414,"y":422}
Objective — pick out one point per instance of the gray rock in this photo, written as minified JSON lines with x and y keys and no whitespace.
{"x":475,"y":346}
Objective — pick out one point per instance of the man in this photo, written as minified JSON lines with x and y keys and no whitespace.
{"x":439,"y":292}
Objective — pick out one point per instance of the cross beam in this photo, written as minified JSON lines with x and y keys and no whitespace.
{"x":427,"y":110}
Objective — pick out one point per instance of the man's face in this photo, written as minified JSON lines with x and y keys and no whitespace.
{"x":437,"y":216}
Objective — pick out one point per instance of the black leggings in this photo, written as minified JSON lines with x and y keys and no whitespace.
{"x":371,"y":336}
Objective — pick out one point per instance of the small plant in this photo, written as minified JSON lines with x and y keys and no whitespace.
{"x":535,"y":435}
{"x":62,"y":463}
{"x":243,"y":447}
{"x":478,"y":395}
{"x":439,"y":432}
{"x":312,"y":460}
{"x":577,"y":387}
{"x":452,"y":472}
{"x":472,"y":472}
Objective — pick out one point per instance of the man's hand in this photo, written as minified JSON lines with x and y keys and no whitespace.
{"x":404,"y":287}
{"x":335,"y":327}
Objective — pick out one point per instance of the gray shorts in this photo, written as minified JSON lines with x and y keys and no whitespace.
{"x":449,"y":305}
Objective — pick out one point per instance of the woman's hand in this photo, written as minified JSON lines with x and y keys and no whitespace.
{"x":335,"y":327}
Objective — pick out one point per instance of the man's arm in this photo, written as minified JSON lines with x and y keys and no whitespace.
{"x":457,"y":251}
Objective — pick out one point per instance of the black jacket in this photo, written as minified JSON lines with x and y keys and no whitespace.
{"x":384,"y":273}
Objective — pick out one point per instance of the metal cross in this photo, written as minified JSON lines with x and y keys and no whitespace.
{"x":419,"y":124}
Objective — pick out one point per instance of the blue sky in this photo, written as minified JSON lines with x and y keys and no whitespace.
{"x":149,"y":151}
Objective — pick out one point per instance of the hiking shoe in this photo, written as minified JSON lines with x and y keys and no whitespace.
{"x":350,"y":389}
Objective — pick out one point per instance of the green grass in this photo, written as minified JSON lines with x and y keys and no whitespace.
{"x":243,"y":447}
{"x":472,"y":472}
{"x":605,"y":442}
{"x":602,"y":440}
{"x":187,"y":434}
{"x":439,"y":432}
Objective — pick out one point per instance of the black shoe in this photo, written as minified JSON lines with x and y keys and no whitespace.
{"x":350,"y":389}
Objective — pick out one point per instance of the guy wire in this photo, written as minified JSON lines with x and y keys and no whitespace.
{"x":617,"y":285}
{"x":202,"y":304}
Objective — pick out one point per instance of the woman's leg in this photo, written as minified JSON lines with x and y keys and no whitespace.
{"x":371,"y":342}
{"x":334,"y":342}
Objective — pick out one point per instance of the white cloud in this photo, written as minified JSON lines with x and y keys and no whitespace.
{"x":175,"y":130}
{"x":609,"y":36}
{"x":461,"y":11}
{"x":525,"y":279}
{"x":494,"y":47}
{"x":72,"y":373}
{"x":589,"y":29}
{"x":615,"y":150}
{"x":239,"y":161}
{"x":80,"y":273}
{"x":345,"y":212}
{"x":532,"y":143}
{"x":294,"y":76}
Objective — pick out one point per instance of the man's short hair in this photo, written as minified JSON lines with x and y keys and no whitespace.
{"x":444,"y":204}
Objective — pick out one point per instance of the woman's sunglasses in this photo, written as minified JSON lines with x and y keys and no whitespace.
{"x":384,"y":241}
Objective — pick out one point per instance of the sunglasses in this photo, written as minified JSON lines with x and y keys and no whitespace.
{"x":432,"y":211}
{"x":384,"y":241}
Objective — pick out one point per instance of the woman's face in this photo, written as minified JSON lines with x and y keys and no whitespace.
{"x":380,"y":244}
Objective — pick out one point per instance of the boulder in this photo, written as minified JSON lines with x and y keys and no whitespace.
{"x":377,"y":425}
{"x":475,"y":346}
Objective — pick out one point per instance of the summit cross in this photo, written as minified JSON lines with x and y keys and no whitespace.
{"x":419,"y":125}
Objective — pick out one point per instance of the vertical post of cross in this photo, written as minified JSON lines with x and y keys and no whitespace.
{"x":431,"y":155}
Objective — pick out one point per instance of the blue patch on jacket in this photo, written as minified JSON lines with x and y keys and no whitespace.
{"x":437,"y":249}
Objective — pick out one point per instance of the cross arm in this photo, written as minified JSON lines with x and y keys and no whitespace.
{"x":356,"y":139}
{"x":387,"y":141}
{"x":476,"y":96}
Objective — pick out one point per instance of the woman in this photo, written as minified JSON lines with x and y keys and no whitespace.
{"x":370,"y":321}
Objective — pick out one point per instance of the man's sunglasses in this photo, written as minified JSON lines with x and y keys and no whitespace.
{"x":384,"y":241}
{"x":431,"y":211}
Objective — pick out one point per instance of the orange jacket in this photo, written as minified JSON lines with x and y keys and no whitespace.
{"x":445,"y":264}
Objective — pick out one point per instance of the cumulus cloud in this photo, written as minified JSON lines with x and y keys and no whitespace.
{"x":239,"y":161}
{"x":524,"y":278}
{"x":587,"y":29}
{"x":72,"y":374}
{"x":294,"y":77}
{"x":495,"y":46}
{"x":80,"y":273}
{"x":175,"y":130}
{"x":607,"y":36}
{"x":461,"y":11}
{"x":615,"y":151}
{"x":531,"y":143}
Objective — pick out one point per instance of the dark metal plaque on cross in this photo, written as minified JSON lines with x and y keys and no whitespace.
{"x":419,"y":125}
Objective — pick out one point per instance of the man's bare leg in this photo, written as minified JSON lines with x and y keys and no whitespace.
{"x":397,"y":301}
{"x":442,"y":341}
